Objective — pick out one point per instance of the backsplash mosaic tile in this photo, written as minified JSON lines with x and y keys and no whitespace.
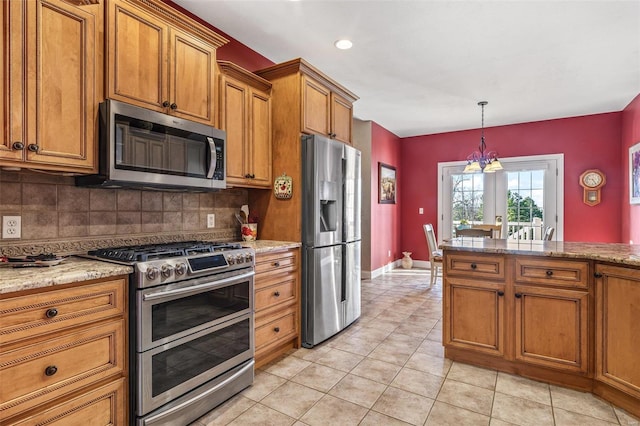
{"x":58,"y":215}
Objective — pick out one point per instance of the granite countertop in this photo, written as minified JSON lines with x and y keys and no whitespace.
{"x":606,"y":252}
{"x":73,"y":269}
{"x":76,"y":269}
{"x":265,"y":246}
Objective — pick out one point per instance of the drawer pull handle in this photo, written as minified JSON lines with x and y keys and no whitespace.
{"x":50,"y":370}
{"x":518,"y":295}
{"x":597,"y":275}
{"x":474,"y":266}
{"x":501,"y":293}
{"x":549,"y":273}
{"x":276,"y":329}
{"x":276,"y":293}
{"x":51,"y":313}
{"x":276,"y":264}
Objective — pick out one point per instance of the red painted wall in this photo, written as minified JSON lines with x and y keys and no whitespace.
{"x":587,"y":142}
{"x":630,"y":137}
{"x":385,"y":218}
{"x":234,"y":51}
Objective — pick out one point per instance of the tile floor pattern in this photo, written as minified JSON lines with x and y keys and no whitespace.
{"x":388,"y":369}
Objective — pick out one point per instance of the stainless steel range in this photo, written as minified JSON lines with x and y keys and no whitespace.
{"x":191,"y":327}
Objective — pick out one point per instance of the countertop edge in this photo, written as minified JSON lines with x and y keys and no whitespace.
{"x":623,"y":254}
{"x":266,"y":246}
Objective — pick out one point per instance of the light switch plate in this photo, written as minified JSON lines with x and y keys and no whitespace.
{"x":211,"y":220}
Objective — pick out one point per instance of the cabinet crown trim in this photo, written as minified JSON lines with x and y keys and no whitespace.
{"x":176,"y":17}
{"x":302,"y":66}
{"x":232,"y":70}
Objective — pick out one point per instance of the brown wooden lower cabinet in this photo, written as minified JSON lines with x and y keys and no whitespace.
{"x":277,"y":304}
{"x":548,"y":319}
{"x":618,"y":333}
{"x":64,"y":352}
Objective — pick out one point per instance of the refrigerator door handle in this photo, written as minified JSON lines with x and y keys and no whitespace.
{"x":343,"y":286}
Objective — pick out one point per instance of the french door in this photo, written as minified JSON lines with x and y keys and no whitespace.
{"x":525,"y":197}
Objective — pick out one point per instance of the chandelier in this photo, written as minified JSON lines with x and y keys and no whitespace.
{"x":481,"y":161}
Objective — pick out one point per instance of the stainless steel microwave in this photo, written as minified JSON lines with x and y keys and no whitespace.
{"x":146,"y":149}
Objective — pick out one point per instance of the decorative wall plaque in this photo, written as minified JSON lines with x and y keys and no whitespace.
{"x":283,"y":187}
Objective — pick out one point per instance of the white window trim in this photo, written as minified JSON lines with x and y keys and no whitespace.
{"x":559,"y":159}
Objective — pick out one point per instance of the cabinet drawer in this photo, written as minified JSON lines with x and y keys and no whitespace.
{"x":102,"y":406}
{"x":279,"y":293}
{"x":276,"y":328}
{"x":475,"y":265}
{"x":564,"y":273}
{"x":44,"y":370}
{"x":276,"y":262}
{"x":26,"y":316}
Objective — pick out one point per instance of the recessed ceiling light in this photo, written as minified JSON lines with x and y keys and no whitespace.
{"x":343,"y":44}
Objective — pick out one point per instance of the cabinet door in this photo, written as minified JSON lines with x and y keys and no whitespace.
{"x":233,"y":101}
{"x":62,"y":103}
{"x":260,"y":137}
{"x":316,"y":107}
{"x":341,"y":118}
{"x":618,"y":328}
{"x":137,"y":51}
{"x":191,"y":78}
{"x":551,"y":327}
{"x":474,"y":315}
{"x":11,"y":49}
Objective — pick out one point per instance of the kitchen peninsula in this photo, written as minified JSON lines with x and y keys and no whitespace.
{"x":561,"y":312}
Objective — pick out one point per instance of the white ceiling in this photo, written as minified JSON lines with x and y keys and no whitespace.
{"x":420,"y":67}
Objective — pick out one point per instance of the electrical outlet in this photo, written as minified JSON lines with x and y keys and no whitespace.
{"x":389,"y":253}
{"x":11,"y":226}
{"x":211,"y":220}
{"x":420,"y":210}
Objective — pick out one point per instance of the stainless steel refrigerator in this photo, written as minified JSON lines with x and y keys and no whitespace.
{"x":331,"y":187}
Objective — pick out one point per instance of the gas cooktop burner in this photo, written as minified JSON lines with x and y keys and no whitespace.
{"x":143,"y":253}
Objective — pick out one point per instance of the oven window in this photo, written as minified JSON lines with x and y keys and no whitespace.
{"x":151,"y":147}
{"x":182,"y":314}
{"x":174,"y":366}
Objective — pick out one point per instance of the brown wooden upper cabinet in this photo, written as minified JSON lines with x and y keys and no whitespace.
{"x":245,"y":114}
{"x":326,"y":106}
{"x":162,"y":60}
{"x":53,"y":86}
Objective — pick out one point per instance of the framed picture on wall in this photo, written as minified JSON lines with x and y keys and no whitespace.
{"x":634,"y":174}
{"x":387,"y":186}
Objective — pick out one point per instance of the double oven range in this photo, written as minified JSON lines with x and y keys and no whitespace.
{"x":191,"y":341}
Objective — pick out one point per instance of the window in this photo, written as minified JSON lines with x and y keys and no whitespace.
{"x":525,"y":197}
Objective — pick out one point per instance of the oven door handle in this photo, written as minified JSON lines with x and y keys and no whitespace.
{"x":196,"y":288}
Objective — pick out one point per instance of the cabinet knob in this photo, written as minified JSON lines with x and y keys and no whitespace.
{"x":18,"y":146}
{"x":248,"y":176}
{"x":597,"y":275}
{"x":51,"y":313}
{"x":33,"y":147}
{"x":173,"y":106}
{"x":549,"y":273}
{"x":252,"y":176}
{"x":276,"y":264}
{"x":50,"y":370}
{"x":276,"y":293}
{"x":501,"y":293}
{"x":474,"y":266}
{"x":165,"y":104}
{"x":518,"y":295}
{"x":276,"y":329}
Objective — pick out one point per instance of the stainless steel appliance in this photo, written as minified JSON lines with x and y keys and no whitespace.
{"x":150,"y":150}
{"x":191,"y":327}
{"x":332,"y":187}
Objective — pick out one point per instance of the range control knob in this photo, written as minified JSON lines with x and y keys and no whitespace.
{"x":167,"y":270}
{"x":152,"y":273}
{"x":231,"y":259}
{"x":240,"y":258}
{"x":248,"y":258}
{"x":180,"y":268}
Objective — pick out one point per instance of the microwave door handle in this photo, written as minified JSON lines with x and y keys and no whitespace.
{"x":212,"y":153}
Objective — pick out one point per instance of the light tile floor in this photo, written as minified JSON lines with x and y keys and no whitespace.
{"x":388,"y":369}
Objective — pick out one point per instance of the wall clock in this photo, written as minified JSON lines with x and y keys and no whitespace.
{"x":592,"y":181}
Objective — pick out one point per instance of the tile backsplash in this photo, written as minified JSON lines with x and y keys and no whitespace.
{"x":54,"y":209}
